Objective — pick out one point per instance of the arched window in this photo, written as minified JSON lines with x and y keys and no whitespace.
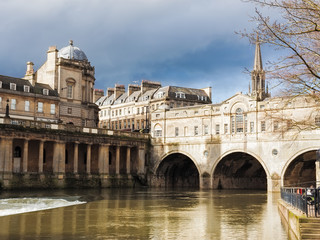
{"x":239,"y":120}
{"x":157,"y":131}
{"x":17,"y":152}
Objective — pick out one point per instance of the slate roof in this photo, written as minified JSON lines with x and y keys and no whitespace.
{"x":20,"y":83}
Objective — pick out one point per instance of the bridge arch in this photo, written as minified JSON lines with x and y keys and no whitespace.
{"x":237,"y":169}
{"x":300,"y":170}
{"x":177,"y":169}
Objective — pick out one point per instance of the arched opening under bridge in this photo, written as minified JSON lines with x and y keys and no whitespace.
{"x":177,"y":171}
{"x":239,"y":171}
{"x":301,"y":171}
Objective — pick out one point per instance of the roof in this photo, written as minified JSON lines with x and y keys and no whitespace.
{"x":20,"y":83}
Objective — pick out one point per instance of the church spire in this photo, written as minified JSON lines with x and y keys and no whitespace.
{"x":258,"y":90}
{"x":257,"y":57}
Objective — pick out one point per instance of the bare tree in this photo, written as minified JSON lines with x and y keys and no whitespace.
{"x":296,"y":32}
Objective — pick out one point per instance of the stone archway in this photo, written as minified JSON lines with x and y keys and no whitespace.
{"x":177,"y":171}
{"x":239,"y":171}
{"x":301,"y":171}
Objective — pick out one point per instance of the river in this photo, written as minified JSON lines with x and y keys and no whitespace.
{"x":141,"y":214}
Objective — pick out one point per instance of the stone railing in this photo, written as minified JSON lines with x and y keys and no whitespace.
{"x":71,"y":128}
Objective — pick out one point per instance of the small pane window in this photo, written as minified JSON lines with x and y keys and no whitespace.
{"x":27,"y":106}
{"x":40,"y":107}
{"x":26,"y":88}
{"x":225,"y":128}
{"x":263,"y":126}
{"x":196,"y":130}
{"x":13,"y":104}
{"x":217,"y":129}
{"x":206,"y":129}
{"x":13,"y":86}
{"x":176,"y":131}
{"x":69,"y":91}
{"x":52,"y":108}
{"x":45,"y":92}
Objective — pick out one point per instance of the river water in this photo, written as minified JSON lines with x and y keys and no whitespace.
{"x":141,"y":214}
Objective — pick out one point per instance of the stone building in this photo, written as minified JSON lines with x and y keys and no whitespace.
{"x":68,"y":72}
{"x":130,"y":110}
{"x":22,"y":100}
{"x":247,"y":141}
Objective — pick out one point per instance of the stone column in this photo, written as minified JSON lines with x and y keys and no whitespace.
{"x":128,"y":163}
{"x":59,"y":157}
{"x":141,"y":157}
{"x":41,"y":156}
{"x":6,"y":156}
{"x":25,"y":156}
{"x":75,"y":157}
{"x":118,"y":160}
{"x":103,"y":159}
{"x":89,"y":158}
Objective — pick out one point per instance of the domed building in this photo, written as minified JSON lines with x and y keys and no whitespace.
{"x":69,"y":72}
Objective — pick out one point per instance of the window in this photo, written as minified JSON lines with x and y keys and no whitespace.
{"x":196,"y":130}
{"x":13,"y":104}
{"x":239,"y":120}
{"x":176,"y":131}
{"x":13,"y":86}
{"x":120,"y":111}
{"x":206,"y":129}
{"x":52,"y":108}
{"x":17,"y":152}
{"x":317,"y":120}
{"x":26,"y":88}
{"x":40,"y":107}
{"x":251,"y":127}
{"x":180,"y":95}
{"x":69,"y":110}
{"x":0,"y":102}
{"x":120,"y":124}
{"x":124,"y":124}
{"x":0,"y":84}
{"x":27,"y":106}
{"x":275,"y":125}
{"x":217,"y":129}
{"x":225,"y":128}
{"x":45,"y":92}
{"x":263,"y":126}
{"x":157,"y":131}
{"x":160,"y":94}
{"x":232,"y":124}
{"x":69,"y":91}
{"x":138,"y":110}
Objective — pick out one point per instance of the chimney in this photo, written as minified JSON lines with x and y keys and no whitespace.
{"x":30,"y":76}
{"x":148,"y":85}
{"x":110,"y":91}
{"x":208,"y":91}
{"x":98,"y":93}
{"x":118,"y":90}
{"x":133,"y":88}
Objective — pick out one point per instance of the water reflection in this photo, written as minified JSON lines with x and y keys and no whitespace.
{"x":152,"y":214}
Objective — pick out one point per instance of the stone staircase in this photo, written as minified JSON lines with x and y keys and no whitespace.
{"x":309,"y":228}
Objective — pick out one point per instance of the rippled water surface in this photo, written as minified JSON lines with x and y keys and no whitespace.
{"x":147,"y":214}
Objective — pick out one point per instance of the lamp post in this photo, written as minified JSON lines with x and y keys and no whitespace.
{"x":7,"y":109}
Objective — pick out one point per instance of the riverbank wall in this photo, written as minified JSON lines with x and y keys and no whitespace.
{"x":60,"y":181}
{"x":297,"y":224}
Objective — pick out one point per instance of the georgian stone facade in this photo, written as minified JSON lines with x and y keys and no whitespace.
{"x":130,"y":110}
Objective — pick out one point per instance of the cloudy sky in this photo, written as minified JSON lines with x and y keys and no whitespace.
{"x":189,"y":43}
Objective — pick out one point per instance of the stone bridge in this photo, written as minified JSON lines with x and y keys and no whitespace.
{"x":216,"y":147}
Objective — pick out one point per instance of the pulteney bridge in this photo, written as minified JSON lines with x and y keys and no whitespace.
{"x":233,"y":146}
